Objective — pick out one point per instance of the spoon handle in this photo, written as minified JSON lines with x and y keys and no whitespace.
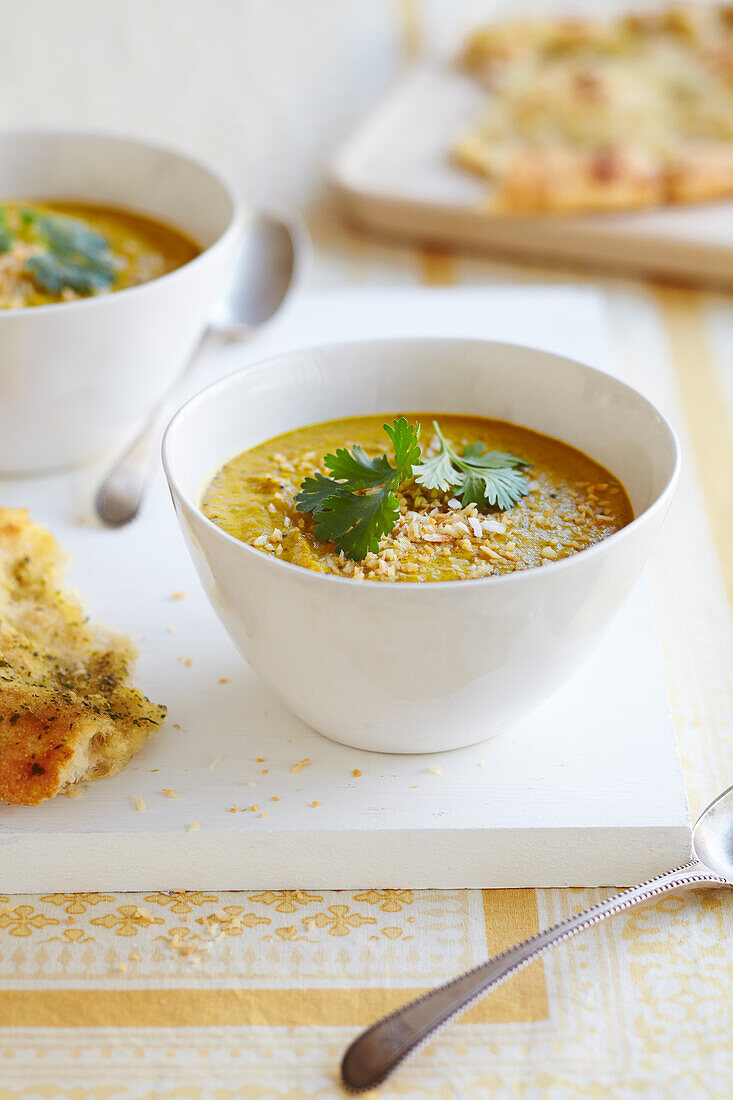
{"x":378,"y":1051}
{"x":121,"y":493}
{"x":122,"y":490}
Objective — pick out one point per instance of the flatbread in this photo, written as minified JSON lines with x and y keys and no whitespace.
{"x":68,"y":714}
{"x":591,"y":115}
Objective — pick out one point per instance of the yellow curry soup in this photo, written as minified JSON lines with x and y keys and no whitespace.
{"x":60,"y":251}
{"x":571,"y":503}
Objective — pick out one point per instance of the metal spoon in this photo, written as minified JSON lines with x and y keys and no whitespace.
{"x":381,"y":1048}
{"x":270,"y":255}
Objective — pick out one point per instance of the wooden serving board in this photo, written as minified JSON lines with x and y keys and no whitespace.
{"x":563,"y":798}
{"x":394,"y":176}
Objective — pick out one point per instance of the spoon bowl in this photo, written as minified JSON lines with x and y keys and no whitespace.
{"x":712,"y":837}
{"x":269,"y":257}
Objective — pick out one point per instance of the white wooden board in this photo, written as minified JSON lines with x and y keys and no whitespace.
{"x":563,"y":798}
{"x":394,"y":176}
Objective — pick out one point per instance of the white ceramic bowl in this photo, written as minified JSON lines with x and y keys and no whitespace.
{"x":419,"y":667}
{"x":75,"y":376}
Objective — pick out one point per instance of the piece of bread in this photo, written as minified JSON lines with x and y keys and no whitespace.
{"x":67,"y":711}
{"x":603,"y":115}
{"x":565,"y":181}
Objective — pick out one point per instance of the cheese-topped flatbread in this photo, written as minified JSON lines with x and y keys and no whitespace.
{"x":588,"y":115}
{"x":68,"y":713}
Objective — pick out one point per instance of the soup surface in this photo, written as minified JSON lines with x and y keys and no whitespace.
{"x":57,"y":252}
{"x":571,"y":502}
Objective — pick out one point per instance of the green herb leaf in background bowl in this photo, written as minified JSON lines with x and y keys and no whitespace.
{"x":76,"y":257}
{"x":6,"y":233}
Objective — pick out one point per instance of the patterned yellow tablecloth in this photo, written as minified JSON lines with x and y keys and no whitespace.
{"x":231,"y":996}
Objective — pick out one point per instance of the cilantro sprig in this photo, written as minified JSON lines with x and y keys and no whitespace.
{"x":356,"y":505}
{"x":6,"y":234}
{"x":75,"y":256}
{"x":484,"y":478}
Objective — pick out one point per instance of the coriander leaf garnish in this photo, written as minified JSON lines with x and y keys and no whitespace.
{"x":76,"y":257}
{"x":438,"y":472}
{"x":315,"y":491}
{"x":502,"y":487}
{"x":68,"y":235}
{"x":355,"y":522}
{"x":53,"y":273}
{"x":484,"y":477}
{"x":6,"y":234}
{"x":357,"y":505}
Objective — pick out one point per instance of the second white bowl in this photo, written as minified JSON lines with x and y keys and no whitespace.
{"x":419,"y":667}
{"x":75,"y":376}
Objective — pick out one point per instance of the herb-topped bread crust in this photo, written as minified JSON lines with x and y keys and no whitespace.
{"x":68,"y":714}
{"x":586,"y":115}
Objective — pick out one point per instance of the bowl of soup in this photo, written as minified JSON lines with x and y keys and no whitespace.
{"x":112,"y":251}
{"x":415,"y":542}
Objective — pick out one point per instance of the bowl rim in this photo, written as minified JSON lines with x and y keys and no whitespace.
{"x":233,"y":227}
{"x":261,"y":366}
